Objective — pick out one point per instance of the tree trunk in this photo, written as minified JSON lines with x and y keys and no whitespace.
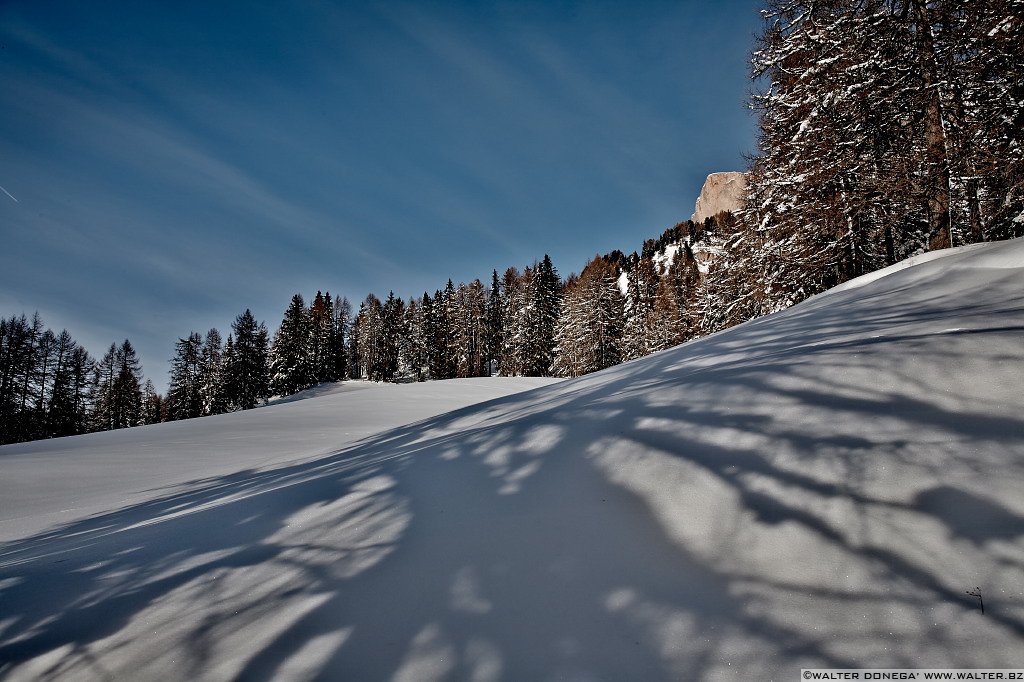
{"x":937,"y":164}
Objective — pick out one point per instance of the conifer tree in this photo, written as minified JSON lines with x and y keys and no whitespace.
{"x":45,"y":379}
{"x":429,"y":316}
{"x":152,"y":404}
{"x":513,"y":304}
{"x":185,"y":389}
{"x":80,"y":372}
{"x":448,"y":332}
{"x":870,"y":151}
{"x":642,"y":286}
{"x":442,"y":334}
{"x":589,"y":333}
{"x":41,"y":384}
{"x":126,"y":396}
{"x":321,"y":338}
{"x":529,"y":344}
{"x":493,"y":339}
{"x":246,"y":366}
{"x":413,"y":342}
{"x":353,"y":354}
{"x":59,"y":412}
{"x":541,"y":317}
{"x":371,"y":338}
{"x":339,"y":350}
{"x":212,"y":375}
{"x":467,"y":319}
{"x":13,"y":355}
{"x":105,"y":373}
{"x":291,"y":359}
{"x":571,"y":359}
{"x":392,"y":315}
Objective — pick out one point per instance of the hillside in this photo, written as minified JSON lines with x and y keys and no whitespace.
{"x":815,"y":488}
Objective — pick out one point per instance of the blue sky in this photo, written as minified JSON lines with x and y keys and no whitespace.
{"x":167,"y":165}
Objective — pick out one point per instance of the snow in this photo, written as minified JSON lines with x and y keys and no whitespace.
{"x":66,"y":479}
{"x":663,"y":259}
{"x":816,"y":488}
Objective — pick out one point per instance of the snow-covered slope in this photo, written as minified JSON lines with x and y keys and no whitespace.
{"x":816,"y":488}
{"x":67,"y":479}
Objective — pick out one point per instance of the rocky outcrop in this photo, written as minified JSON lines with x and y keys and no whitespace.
{"x":721,"y":192}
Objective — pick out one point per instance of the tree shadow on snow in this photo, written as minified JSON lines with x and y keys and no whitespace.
{"x":531,"y":536}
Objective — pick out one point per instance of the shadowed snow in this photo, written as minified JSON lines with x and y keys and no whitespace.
{"x":816,"y":488}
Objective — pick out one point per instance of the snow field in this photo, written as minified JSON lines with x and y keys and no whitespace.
{"x":817,"y":488}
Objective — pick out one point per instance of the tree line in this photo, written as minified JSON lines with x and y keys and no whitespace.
{"x":50,"y":386}
{"x":528,"y":322}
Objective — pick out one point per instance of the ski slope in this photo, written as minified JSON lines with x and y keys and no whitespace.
{"x":817,"y":488}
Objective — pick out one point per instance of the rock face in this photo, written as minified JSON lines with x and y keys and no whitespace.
{"x":721,"y":192}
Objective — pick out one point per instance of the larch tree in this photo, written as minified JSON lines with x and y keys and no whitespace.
{"x":589,"y":332}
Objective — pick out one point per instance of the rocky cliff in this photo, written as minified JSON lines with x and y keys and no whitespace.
{"x":721,"y":192}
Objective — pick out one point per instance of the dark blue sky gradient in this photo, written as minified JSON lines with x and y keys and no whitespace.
{"x":175,"y":163}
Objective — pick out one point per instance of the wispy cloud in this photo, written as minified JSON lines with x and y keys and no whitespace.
{"x":179,"y":170}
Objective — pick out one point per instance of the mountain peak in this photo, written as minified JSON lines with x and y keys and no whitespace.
{"x":721,"y":192}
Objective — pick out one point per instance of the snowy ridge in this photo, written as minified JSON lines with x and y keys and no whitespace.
{"x":704,"y":253}
{"x":816,"y":488}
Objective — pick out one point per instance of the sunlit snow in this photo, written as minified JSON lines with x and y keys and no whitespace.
{"x":817,"y":488}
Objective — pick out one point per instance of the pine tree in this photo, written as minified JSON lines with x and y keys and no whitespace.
{"x":443,"y":334}
{"x":413,"y":342}
{"x":448,"y":332}
{"x":17,"y":359}
{"x":185,"y":390}
{"x":571,"y":357}
{"x":226,"y":389}
{"x":29,"y":363}
{"x":642,"y":285}
{"x":41,"y":384}
{"x":126,"y":394}
{"x":246,"y":370}
{"x":353,"y":354}
{"x":493,"y":339}
{"x":80,"y":371}
{"x":513,"y":305}
{"x":60,"y":409}
{"x":392,"y":314}
{"x":46,"y":382}
{"x":429,"y":315}
{"x":472,"y":315}
{"x":152,"y":404}
{"x":291,"y":357}
{"x":544,"y":312}
{"x":321,"y":338}
{"x":339,"y":351}
{"x":212,"y":374}
{"x":104,"y":374}
{"x":371,"y":338}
